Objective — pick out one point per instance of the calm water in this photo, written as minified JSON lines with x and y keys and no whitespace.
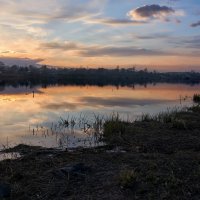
{"x":63,"y":116}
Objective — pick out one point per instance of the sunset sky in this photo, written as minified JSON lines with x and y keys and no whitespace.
{"x":162,"y":34}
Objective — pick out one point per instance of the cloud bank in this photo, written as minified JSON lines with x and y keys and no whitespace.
{"x":19,"y":61}
{"x":101,"y":51}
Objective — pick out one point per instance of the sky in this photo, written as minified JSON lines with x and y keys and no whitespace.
{"x":157,"y":34}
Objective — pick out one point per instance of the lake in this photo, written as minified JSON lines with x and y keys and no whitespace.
{"x":66,"y":116}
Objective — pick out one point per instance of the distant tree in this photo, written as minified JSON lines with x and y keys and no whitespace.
{"x":133,"y":69}
{"x":2,"y":66}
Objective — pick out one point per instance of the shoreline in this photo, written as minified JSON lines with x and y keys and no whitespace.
{"x":155,"y":158}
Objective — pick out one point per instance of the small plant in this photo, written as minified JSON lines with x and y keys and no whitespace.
{"x":146,"y":118}
{"x":114,"y":127}
{"x":196,"y":98}
{"x":165,"y":117}
{"x":179,"y":124}
{"x":128,"y":178}
{"x":152,"y":178}
{"x":195,"y":108}
{"x":172,"y":182}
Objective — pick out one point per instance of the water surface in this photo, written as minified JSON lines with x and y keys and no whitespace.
{"x":38,"y":116}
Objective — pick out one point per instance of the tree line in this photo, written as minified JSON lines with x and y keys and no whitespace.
{"x":32,"y":75}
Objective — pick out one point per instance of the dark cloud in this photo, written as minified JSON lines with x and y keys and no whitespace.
{"x":140,"y":16}
{"x":119,"y":51}
{"x":114,"y":22}
{"x":195,"y":24}
{"x":58,"y":45}
{"x":152,"y":36}
{"x":151,"y":11}
{"x":20,"y":61}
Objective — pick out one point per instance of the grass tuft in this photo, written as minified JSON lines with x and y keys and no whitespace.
{"x":114,"y":127}
{"x":128,"y":178}
{"x":179,"y":124}
{"x":196,"y":98}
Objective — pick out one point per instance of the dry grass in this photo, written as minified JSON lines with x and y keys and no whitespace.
{"x":160,"y":161}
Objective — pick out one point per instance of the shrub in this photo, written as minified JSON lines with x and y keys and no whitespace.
{"x":179,"y":124}
{"x":128,"y":178}
{"x":114,"y":127}
{"x":146,"y":118}
{"x":196,"y":98}
{"x":195,"y":108}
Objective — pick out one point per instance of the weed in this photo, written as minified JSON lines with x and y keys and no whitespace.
{"x":179,"y":124}
{"x":146,"y":118}
{"x":196,"y":98}
{"x":128,"y":178}
{"x":114,"y":126}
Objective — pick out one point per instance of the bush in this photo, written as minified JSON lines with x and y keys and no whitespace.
{"x":196,"y":98}
{"x":114,"y":127}
{"x":128,"y":178}
{"x":179,"y":124}
{"x":146,"y":118}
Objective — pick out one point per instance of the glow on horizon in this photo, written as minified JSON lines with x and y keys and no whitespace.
{"x":101,"y":33}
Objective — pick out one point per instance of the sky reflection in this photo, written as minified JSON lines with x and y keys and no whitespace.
{"x":21,"y":113}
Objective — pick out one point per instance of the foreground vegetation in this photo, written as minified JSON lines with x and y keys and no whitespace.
{"x":155,"y":157}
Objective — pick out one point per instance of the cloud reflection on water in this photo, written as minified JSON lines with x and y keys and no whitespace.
{"x":54,"y":102}
{"x":119,"y":101}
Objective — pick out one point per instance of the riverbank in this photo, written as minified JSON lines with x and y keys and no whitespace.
{"x":153,"y":158}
